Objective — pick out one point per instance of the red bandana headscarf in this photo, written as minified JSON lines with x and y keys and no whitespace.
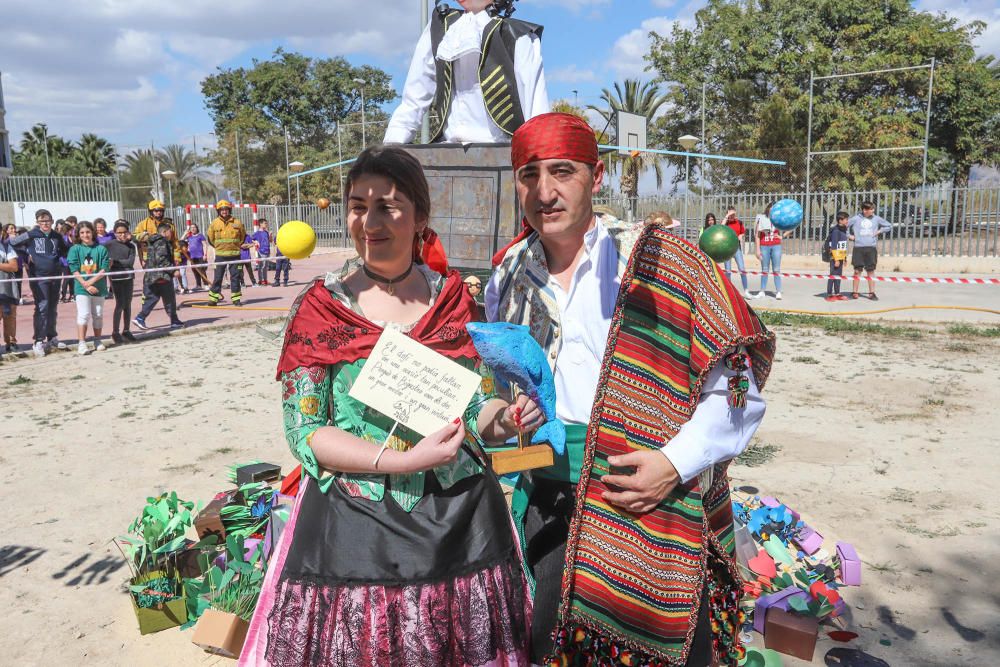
{"x":550,"y":135}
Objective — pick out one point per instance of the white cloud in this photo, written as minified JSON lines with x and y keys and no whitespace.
{"x":988,"y":11}
{"x":570,"y":74}
{"x":575,"y":6}
{"x":110,"y":65}
{"x":629,"y":50}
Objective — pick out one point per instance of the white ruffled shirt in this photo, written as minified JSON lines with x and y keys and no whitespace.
{"x":468,"y":120}
{"x":715,"y":433}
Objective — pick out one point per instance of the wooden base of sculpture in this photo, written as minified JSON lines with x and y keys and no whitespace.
{"x":522,"y":458}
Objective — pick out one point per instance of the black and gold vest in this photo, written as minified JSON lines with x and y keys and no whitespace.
{"x":496,"y":71}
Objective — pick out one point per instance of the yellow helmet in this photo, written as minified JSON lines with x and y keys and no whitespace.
{"x":155,"y":204}
{"x":222,"y":203}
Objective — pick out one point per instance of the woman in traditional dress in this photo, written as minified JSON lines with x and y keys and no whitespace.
{"x":399,"y":550}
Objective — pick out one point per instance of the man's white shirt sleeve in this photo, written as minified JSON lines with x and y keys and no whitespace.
{"x":418,"y":93}
{"x":716,"y":432}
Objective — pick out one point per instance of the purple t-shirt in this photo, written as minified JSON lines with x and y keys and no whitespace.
{"x":196,"y":246}
{"x":263,"y":240}
{"x":104,"y":238}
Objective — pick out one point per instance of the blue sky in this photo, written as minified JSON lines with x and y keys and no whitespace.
{"x":130,"y":71}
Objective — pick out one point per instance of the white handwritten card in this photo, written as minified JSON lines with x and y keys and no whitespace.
{"x":413,"y":384}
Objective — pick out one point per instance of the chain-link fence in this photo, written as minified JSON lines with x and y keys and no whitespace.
{"x":925,"y":222}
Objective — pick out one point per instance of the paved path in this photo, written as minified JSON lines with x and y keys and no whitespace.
{"x":803,"y":294}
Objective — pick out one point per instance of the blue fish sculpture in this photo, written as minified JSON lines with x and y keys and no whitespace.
{"x":516,"y":358}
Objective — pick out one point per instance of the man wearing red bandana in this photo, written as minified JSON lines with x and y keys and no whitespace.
{"x":658,"y":365}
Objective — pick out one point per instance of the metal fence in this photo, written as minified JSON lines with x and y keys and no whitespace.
{"x":60,"y":188}
{"x":930,"y":222}
{"x":328,"y":223}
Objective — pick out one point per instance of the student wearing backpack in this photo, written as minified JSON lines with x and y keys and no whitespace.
{"x":160,"y":284}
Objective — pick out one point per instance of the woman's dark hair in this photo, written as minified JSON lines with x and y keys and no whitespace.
{"x":100,"y":221}
{"x":401,"y":168}
{"x":120,"y":224}
{"x":714,"y":220}
{"x":767,"y":209}
{"x":86,"y":224}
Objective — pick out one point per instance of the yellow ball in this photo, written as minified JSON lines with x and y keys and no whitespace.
{"x":296,"y":239}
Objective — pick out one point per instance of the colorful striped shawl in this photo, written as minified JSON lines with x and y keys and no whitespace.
{"x":632,"y":584}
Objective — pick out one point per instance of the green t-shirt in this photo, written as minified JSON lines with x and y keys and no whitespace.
{"x":88,"y":260}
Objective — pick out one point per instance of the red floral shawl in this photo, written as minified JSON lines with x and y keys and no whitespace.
{"x":322,"y":331}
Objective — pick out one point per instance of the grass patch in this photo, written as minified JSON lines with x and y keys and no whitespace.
{"x":901,"y":495}
{"x":126,"y":414}
{"x":838,"y":325}
{"x":78,"y":377}
{"x":757,"y":454}
{"x":959,"y":347}
{"x":890,"y":568}
{"x":805,"y":360}
{"x":913,"y":529}
{"x":223,"y":450}
{"x":19,"y":380}
{"x":934,"y":402}
{"x":194,"y":384}
{"x":974,"y":331}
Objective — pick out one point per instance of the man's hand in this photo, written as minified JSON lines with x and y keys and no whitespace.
{"x":653,"y":480}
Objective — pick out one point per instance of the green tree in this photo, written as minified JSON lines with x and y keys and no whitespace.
{"x":304,"y":97}
{"x":42,"y":153}
{"x":191,"y":184}
{"x":137,"y":176}
{"x":96,"y":155}
{"x":755,"y":60}
{"x":643,"y":99}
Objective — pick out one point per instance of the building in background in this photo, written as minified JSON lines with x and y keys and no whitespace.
{"x":6,"y":166}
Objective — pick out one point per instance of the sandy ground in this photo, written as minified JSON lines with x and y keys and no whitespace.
{"x":884,"y":441}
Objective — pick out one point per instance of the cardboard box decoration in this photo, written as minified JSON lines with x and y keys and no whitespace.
{"x":220,"y":633}
{"x":790,"y":633}
{"x":161,"y":617}
{"x":209,"y":520}
{"x":258,"y":472}
{"x":777,"y":600}
{"x":850,"y":564}
{"x":808,"y":540}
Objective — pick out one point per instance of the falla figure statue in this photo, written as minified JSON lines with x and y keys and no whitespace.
{"x":477,"y":73}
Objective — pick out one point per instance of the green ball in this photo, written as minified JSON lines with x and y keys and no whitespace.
{"x":719,"y":242}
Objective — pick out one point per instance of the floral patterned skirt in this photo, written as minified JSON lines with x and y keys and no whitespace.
{"x":361,"y":583}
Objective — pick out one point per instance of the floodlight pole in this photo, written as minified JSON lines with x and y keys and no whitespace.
{"x":425,"y":124}
{"x":809,"y":135}
{"x":239,"y":172}
{"x":701,"y":160}
{"x":288,"y":178}
{"x":927,"y":128}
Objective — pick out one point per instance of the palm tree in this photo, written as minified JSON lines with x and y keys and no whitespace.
{"x":136,"y":175}
{"x":97,"y":155}
{"x":645,"y":100}
{"x":192,"y":181}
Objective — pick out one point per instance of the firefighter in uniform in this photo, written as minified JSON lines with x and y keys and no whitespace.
{"x":226,"y":234}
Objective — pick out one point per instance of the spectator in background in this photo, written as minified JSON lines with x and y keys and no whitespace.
{"x":709,"y":221}
{"x":768,"y":251}
{"x":246,"y":261}
{"x":45,"y":248}
{"x":66,"y":291}
{"x":864,"y":229}
{"x":281,"y":263}
{"x":159,"y":283}
{"x":22,"y":255}
{"x":88,"y":262}
{"x":836,"y":243}
{"x":103,"y":235}
{"x":122,"y":253}
{"x":262,"y":239}
{"x":740,"y":230}
{"x":196,"y":252}
{"x":10,"y":287}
